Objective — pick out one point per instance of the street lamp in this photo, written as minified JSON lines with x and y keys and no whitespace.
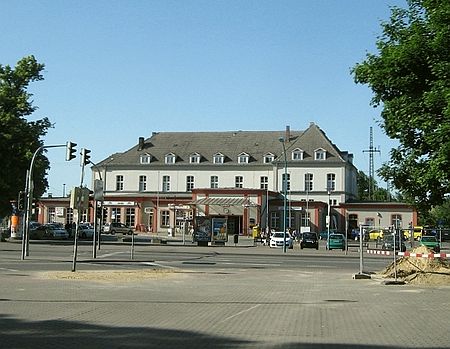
{"x":328,"y":215}
{"x":281,"y":139}
{"x":307,"y":186}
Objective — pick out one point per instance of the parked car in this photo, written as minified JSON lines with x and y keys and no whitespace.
{"x":85,"y":231}
{"x":309,"y":240}
{"x":115,"y":227}
{"x":376,"y":234}
{"x":37,"y":231}
{"x":336,"y":241}
{"x":277,"y":240}
{"x":388,"y":243}
{"x":430,"y":242}
{"x":55,"y":231}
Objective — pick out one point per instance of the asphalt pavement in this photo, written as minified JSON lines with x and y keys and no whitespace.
{"x":240,"y":296}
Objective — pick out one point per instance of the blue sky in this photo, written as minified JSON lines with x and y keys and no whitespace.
{"x":118,"y":70}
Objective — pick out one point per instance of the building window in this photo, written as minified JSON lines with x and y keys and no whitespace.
{"x":130,"y":217}
{"x":309,"y":182}
{"x":268,"y":158}
{"x":142,"y":183}
{"x":297,"y":154}
{"x":305,"y":217}
{"x":165,"y":218}
{"x":189,"y":183}
{"x":115,"y":214}
{"x":166,"y":183}
{"x":370,"y":221}
{"x":51,"y":215}
{"x":119,"y":182}
{"x":264,"y":183}
{"x":214,"y":182}
{"x":218,"y":158}
{"x":243,"y":158}
{"x":69,"y":215}
{"x":170,"y":158}
{"x":396,"y":220}
{"x":194,"y":158}
{"x":238,"y":182}
{"x":286,"y":176}
{"x":331,"y":181}
{"x":275,"y":220}
{"x":145,"y":158}
{"x":320,"y":154}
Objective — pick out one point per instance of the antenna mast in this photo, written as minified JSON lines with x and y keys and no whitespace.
{"x":371,"y":151}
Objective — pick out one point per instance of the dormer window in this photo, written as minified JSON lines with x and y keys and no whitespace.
{"x":243,"y":158}
{"x":320,"y":154}
{"x":170,"y":158}
{"x":194,"y":158}
{"x":268,"y":158}
{"x":297,"y":154}
{"x":218,"y":158}
{"x":145,"y":159}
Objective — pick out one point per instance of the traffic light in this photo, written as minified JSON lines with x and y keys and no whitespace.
{"x":70,"y":151}
{"x":85,"y":157}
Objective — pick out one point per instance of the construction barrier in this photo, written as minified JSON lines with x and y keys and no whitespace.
{"x":410,"y":254}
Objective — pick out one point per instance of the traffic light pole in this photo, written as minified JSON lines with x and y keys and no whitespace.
{"x":29,"y":198}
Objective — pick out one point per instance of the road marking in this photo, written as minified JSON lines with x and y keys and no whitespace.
{"x":241,"y":312}
{"x":111,"y":254}
{"x":6,"y":269}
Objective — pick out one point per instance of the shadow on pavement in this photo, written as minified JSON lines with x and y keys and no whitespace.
{"x":20,"y":334}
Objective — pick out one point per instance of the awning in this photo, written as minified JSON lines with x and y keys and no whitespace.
{"x":225,"y":202}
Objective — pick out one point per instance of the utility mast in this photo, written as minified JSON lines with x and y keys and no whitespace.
{"x":371,"y":151}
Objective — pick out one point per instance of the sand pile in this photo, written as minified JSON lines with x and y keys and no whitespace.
{"x":422,"y":271}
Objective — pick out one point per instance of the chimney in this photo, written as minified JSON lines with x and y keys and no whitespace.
{"x":287,"y":136}
{"x":141,"y":143}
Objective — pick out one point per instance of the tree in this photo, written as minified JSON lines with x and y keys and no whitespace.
{"x":410,"y":79}
{"x":376,"y":193}
{"x":20,"y":138}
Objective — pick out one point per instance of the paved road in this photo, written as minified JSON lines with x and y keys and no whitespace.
{"x":216,"y":297}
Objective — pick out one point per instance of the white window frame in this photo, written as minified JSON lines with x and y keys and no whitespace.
{"x":239,"y":182}
{"x":218,"y":158}
{"x":165,"y":183}
{"x":145,"y":159}
{"x":268,"y":158}
{"x":297,"y":154}
{"x":320,"y":154}
{"x":194,"y":158}
{"x":119,"y":182}
{"x":170,"y":158}
{"x":331,"y":181}
{"x":142,"y":183}
{"x":309,"y":182}
{"x":214,"y":182}
{"x":190,"y":183}
{"x":264,"y":182}
{"x":243,"y":158}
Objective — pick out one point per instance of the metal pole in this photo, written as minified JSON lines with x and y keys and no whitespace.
{"x":29,"y":199}
{"x":361,"y":237}
{"x":282,"y":140}
{"x":328,"y":217}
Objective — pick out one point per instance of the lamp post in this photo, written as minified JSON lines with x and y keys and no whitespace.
{"x":328,"y":214}
{"x":282,"y":140}
{"x":307,"y":197}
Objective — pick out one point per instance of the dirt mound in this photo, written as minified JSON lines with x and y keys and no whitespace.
{"x":421,"y":271}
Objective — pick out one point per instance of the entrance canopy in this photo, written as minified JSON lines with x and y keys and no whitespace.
{"x":244,"y":202}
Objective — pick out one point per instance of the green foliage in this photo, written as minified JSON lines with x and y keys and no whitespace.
{"x":19,"y":138}
{"x":376,"y":193}
{"x":410,"y":79}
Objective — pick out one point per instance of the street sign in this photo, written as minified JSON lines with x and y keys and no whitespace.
{"x":98,"y":190}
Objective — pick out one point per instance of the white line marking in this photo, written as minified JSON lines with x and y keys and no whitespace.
{"x":241,"y":312}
